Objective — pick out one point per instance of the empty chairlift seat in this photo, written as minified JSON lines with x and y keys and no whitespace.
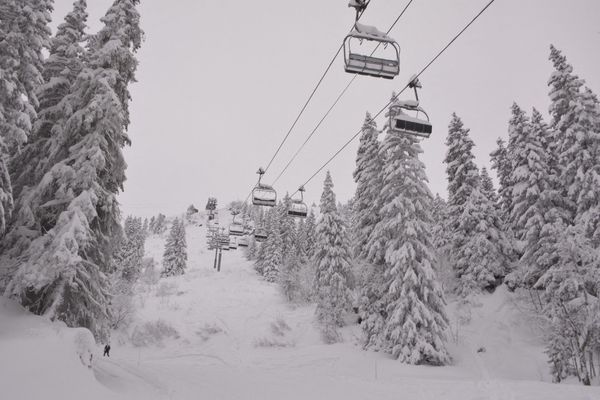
{"x":264,"y":195}
{"x":236,"y":229}
{"x":243,"y":241}
{"x":260,"y":235}
{"x":401,"y":122}
{"x":386,"y":67}
{"x":298,"y":208}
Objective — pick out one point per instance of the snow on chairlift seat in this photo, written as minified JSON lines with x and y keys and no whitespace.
{"x":260,"y":235}
{"x":243,"y":241}
{"x":236,"y":229}
{"x":298,"y":208}
{"x":368,"y":65}
{"x":404,"y":123}
{"x":264,"y":195}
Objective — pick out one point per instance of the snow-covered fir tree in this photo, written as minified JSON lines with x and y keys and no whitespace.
{"x":483,"y":255}
{"x":160,"y":224}
{"x":80,"y":189}
{"x":519,"y":133}
{"x":45,"y":146}
{"x":310,"y":228}
{"x":332,"y":258}
{"x":415,"y":318}
{"x":272,"y":255}
{"x":24,"y":33}
{"x":440,"y":234}
{"x":288,"y":275}
{"x":175,"y":255}
{"x":502,"y":166}
{"x":463,"y":180}
{"x":131,"y":250}
{"x":487,"y":186}
{"x":368,"y":185}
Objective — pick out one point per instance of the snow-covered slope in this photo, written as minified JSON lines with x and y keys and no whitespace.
{"x":43,"y":360}
{"x":230,"y":335}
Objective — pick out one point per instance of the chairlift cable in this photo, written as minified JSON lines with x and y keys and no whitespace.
{"x":337,"y":53}
{"x":336,"y":100}
{"x":394,"y":98}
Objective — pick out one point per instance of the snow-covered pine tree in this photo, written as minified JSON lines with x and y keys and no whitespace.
{"x":24,"y":32}
{"x":287,"y":228}
{"x":368,"y":185}
{"x":44,"y":147}
{"x":288,"y":275}
{"x":160,"y":224}
{"x":487,"y":186}
{"x":251,"y":250}
{"x":519,"y":133}
{"x":501,"y":164}
{"x":439,"y":224}
{"x":310,"y":227}
{"x":175,"y":255}
{"x":414,"y":304}
{"x":131,"y":251}
{"x":272,"y":255}
{"x":483,"y":256}
{"x":463,"y":180}
{"x":544,"y":211}
{"x":333,"y":269}
{"x":75,"y":250}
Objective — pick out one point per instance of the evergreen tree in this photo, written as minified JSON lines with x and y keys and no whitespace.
{"x":63,"y":272}
{"x":439,"y":229}
{"x":175,"y":255}
{"x":463,"y":180}
{"x":487,"y":186}
{"x":368,"y":185}
{"x":414,"y":304}
{"x":462,"y":172}
{"x":333,"y":270}
{"x":501,"y":163}
{"x":272,"y":255}
{"x":24,"y":32}
{"x":482,"y":257}
{"x":288,"y":276}
{"x":252,"y":249}
{"x":131,"y":251}
{"x":160,"y":224}
{"x":519,"y":133}
{"x":44,"y":147}
{"x":310,"y":228}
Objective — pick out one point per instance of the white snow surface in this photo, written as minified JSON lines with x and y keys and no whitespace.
{"x":239,"y":339}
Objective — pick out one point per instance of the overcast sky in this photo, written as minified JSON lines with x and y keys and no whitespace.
{"x":220,"y":82}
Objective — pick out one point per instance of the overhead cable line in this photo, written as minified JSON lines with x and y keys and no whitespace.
{"x":337,"y":53}
{"x":395,"y":97}
{"x":336,"y":100}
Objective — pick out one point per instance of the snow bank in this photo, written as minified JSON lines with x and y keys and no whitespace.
{"x":41,"y":359}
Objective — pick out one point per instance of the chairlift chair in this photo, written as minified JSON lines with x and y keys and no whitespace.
{"x":263,"y":194}
{"x":243,"y":241}
{"x":401,"y":122}
{"x":260,"y":235}
{"x":298,"y":208}
{"x":362,"y":64}
{"x":236,"y":229}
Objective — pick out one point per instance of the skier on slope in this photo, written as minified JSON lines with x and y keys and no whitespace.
{"x":107,"y":350}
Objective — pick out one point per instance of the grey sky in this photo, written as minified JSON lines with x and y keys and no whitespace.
{"x":221,"y":81}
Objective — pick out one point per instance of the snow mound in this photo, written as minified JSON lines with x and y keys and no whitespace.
{"x":56,"y":360}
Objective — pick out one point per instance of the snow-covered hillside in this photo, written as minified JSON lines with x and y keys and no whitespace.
{"x":230,"y":335}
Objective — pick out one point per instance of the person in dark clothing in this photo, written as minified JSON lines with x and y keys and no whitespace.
{"x":107,"y":350}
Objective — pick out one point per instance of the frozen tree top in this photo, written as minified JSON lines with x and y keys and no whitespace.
{"x":368,"y":32}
